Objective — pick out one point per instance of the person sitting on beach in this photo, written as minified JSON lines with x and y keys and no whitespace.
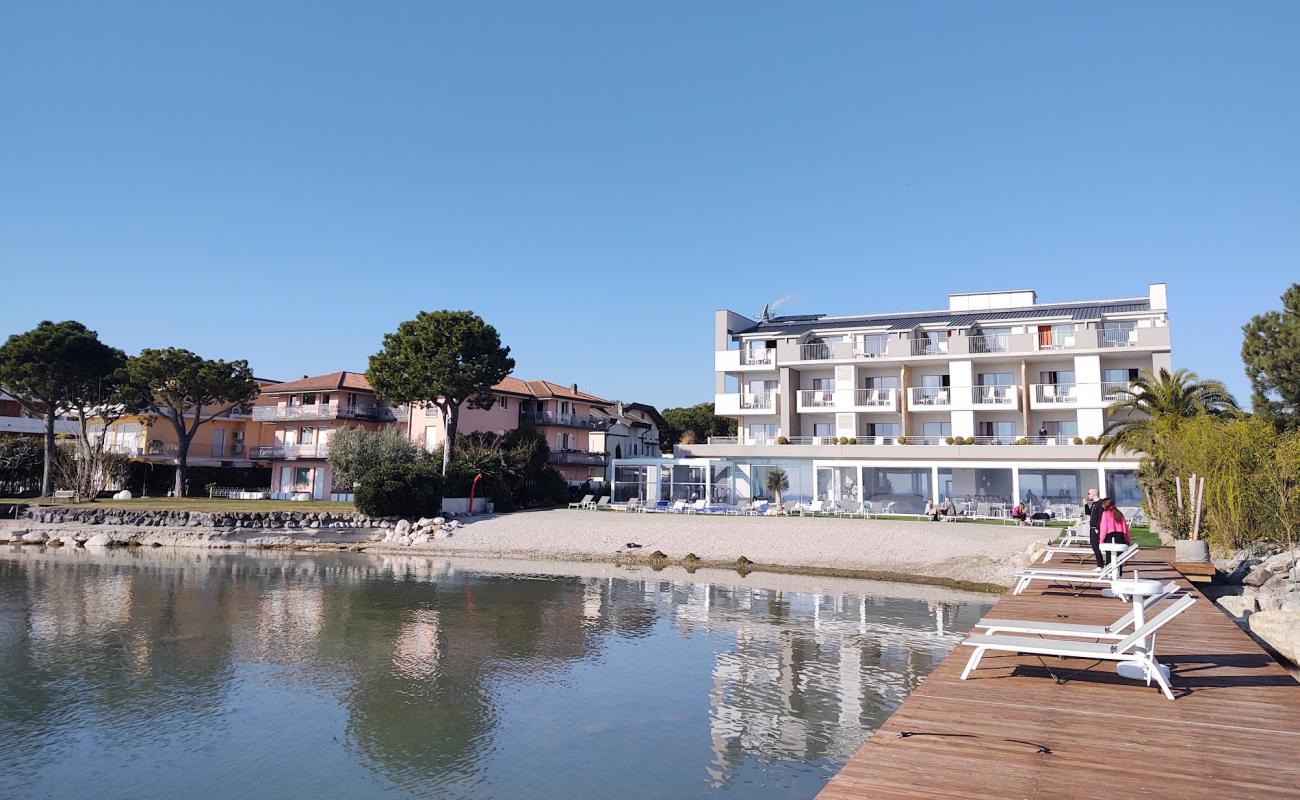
{"x":932,"y":510}
{"x":946,"y":508}
{"x":1020,"y":515}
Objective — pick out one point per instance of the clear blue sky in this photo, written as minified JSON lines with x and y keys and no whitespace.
{"x":285,"y":182}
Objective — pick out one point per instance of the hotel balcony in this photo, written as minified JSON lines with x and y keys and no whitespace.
{"x":1054,"y":395}
{"x":866,"y":400}
{"x":921,"y":398}
{"x":744,"y":360}
{"x":289,"y":452}
{"x":578,"y":457}
{"x":317,"y":411}
{"x":745,"y":403}
{"x":585,"y":421}
{"x":995,"y":398}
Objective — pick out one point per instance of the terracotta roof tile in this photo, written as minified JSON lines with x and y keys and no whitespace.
{"x":323,"y":383}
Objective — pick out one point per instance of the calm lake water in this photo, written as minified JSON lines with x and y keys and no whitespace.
{"x":175,"y":674}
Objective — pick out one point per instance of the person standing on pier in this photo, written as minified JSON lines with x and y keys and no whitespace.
{"x":1092,"y":512}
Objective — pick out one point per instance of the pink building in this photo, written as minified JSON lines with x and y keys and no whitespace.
{"x":302,"y":416}
{"x":564,"y":415}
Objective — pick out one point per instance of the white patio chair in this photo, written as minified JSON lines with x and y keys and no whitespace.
{"x":583,"y":503}
{"x":1114,"y":630}
{"x":1075,"y":577}
{"x":633,"y":504}
{"x":603,"y":502}
{"x":1136,"y":648}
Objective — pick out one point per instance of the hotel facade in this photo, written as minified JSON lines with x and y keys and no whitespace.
{"x":995,"y":399}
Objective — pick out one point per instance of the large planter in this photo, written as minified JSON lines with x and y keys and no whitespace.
{"x":1192,"y":551}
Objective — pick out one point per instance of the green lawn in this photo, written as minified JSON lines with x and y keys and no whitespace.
{"x":216,"y":505}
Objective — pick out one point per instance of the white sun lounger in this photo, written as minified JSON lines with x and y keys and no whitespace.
{"x":603,"y":502}
{"x":1075,"y":577}
{"x":583,"y":503}
{"x":1137,"y":648}
{"x":1115,"y":630}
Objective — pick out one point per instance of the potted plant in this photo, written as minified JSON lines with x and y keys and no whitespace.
{"x":902,"y":440}
{"x":853,"y":440}
{"x":1189,"y":547}
{"x":948,"y":440}
{"x":782,"y":440}
{"x":1077,"y":440}
{"x":1090,"y":440}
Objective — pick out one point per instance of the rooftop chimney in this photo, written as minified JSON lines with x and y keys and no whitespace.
{"x":575,"y":388}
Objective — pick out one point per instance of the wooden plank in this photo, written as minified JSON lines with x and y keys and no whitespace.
{"x":1012,"y":731}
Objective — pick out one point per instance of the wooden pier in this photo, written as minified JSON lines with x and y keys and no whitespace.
{"x":1012,"y":731}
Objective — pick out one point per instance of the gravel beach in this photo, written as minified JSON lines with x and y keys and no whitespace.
{"x":951,"y":552}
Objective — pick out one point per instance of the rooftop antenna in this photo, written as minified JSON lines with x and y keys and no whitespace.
{"x":766,"y":313}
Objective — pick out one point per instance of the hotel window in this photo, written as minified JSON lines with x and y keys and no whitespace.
{"x":1000,"y":430}
{"x":934,"y":381}
{"x":1063,"y":377}
{"x":824,"y":429}
{"x":761,"y":432}
{"x":881,"y":429}
{"x":302,"y":477}
{"x":1064,"y":427}
{"x":309,"y":399}
{"x":870,"y":344}
{"x":306,"y":435}
{"x":937,"y":429}
{"x":430,"y":439}
{"x":880,"y":382}
{"x":295,"y":400}
{"x":823,"y":384}
{"x":503,"y":401}
{"x":761,"y":387}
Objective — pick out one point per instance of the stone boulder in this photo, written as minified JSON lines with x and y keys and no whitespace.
{"x":443,"y":533}
{"x":420,"y":538}
{"x":426,"y":522}
{"x":439,"y":520}
{"x":125,"y":494}
{"x":36,"y":536}
{"x":1240,"y":606}
{"x":99,"y":540}
{"x":1258,"y":576}
{"x":402,"y":528}
{"x":1281,"y":629}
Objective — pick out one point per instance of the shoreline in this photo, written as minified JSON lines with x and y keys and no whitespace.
{"x":966,"y":557}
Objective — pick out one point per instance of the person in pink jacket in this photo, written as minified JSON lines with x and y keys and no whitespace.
{"x":1114,"y":528}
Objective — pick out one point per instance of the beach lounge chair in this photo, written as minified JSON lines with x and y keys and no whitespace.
{"x":1115,"y":630}
{"x":633,"y":504}
{"x":584,"y":502}
{"x":1136,"y":648}
{"x":815,"y":508}
{"x":1067,"y":551}
{"x":603,"y":502}
{"x":697,"y":507}
{"x":1075,"y":577}
{"x":758,"y":508}
{"x":678,"y":507}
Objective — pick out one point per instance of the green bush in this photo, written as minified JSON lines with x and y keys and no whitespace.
{"x":1077,"y":440}
{"x":949,"y":440}
{"x":782,"y":440}
{"x":853,"y":440}
{"x":400,"y":490}
{"x":1090,"y":440}
{"x":902,"y":440}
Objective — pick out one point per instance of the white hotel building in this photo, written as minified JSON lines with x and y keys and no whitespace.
{"x":988,"y":401}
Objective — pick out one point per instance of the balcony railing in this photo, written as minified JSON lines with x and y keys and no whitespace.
{"x":328,"y":411}
{"x":567,"y":420}
{"x":817,"y":398}
{"x":874,"y":397}
{"x":757,"y":357}
{"x":578,"y":457}
{"x":1117,"y":337}
{"x":1114,"y":390}
{"x":925,"y":346}
{"x":934,"y":396}
{"x":993,"y":395}
{"x":1056,"y":340}
{"x":817,"y":351}
{"x":1051,"y":393}
{"x":763,"y":401}
{"x":290,"y":451}
{"x":990,"y":343}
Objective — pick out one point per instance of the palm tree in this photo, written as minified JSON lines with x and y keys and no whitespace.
{"x":777,"y":482}
{"x":1139,"y":411}
{"x":1146,"y":415}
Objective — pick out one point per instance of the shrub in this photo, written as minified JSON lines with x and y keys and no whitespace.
{"x":902,"y":440}
{"x":401,"y":490}
{"x":1090,"y":440}
{"x":970,"y":440}
{"x":782,"y":440}
{"x":1077,"y":440}
{"x":354,"y":451}
{"x":853,"y":440}
{"x":948,"y":440}
{"x":835,"y":440}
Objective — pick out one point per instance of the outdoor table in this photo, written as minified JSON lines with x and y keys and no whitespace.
{"x":1136,"y":590}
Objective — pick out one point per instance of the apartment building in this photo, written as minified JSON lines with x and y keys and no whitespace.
{"x":564,"y":415}
{"x":297,"y":420}
{"x":16,"y":421}
{"x":988,"y":401}
{"x":634,"y":430}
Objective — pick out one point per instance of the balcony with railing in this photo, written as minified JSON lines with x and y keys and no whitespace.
{"x":1055,"y":340}
{"x":1117,"y":337}
{"x":816,"y":399}
{"x":927,"y":346}
{"x":289,"y":452}
{"x":580,"y":457}
{"x":745,"y":403}
{"x":989,"y":343}
{"x":994,"y":397}
{"x":320,"y":411}
{"x":937,"y":397}
{"x":1055,"y":395}
{"x":758,"y":357}
{"x":558,"y":420}
{"x":878,"y":399}
{"x":1115,"y":390}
